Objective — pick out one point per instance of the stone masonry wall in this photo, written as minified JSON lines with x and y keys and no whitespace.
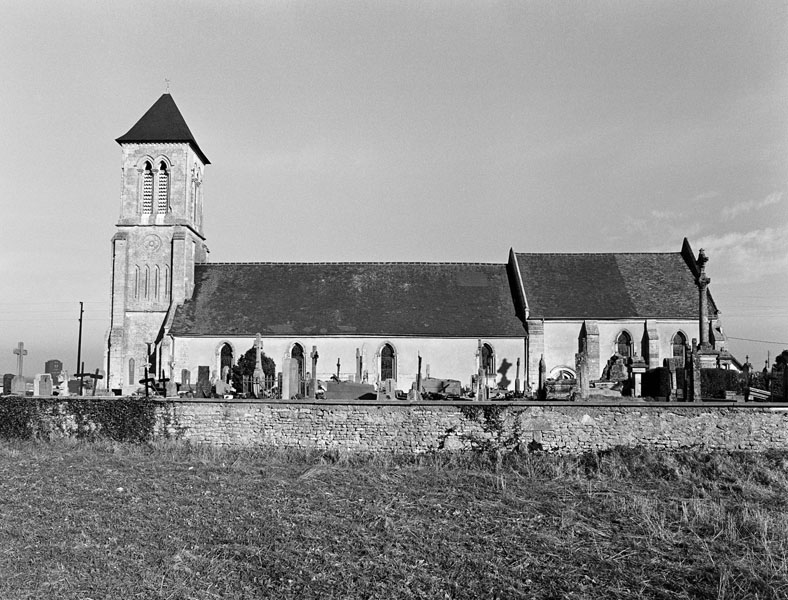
{"x":419,"y":428}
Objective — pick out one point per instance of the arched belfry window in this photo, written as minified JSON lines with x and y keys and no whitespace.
{"x":678,"y":343}
{"x":388,"y":362}
{"x":163,"y":188}
{"x":624,"y":344}
{"x":147,"y":189}
{"x":488,"y":359}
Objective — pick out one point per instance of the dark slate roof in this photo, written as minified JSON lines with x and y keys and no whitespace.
{"x":162,"y":123}
{"x":381,"y":299}
{"x":610,"y":286}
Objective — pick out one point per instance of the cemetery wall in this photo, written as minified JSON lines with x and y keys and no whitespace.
{"x":410,"y":428}
{"x":400,"y":427}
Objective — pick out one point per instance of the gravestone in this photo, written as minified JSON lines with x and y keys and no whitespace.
{"x":673,"y":365}
{"x":186,"y":379}
{"x":7,"y":379}
{"x":388,"y":390}
{"x":290,"y":378}
{"x":541,"y":391}
{"x":73,"y":387}
{"x":203,"y":382}
{"x":616,"y":369}
{"x":581,"y":367}
{"x":637,"y":368}
{"x":18,"y":383}
{"x":42,"y":384}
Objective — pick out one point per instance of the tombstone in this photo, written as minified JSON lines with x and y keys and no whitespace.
{"x":7,"y":379}
{"x":171,"y":389}
{"x":517,"y":379}
{"x":314,"y":356}
{"x":673,"y":365}
{"x":581,"y":367}
{"x":203,"y":382}
{"x":359,"y":366}
{"x":541,"y":391}
{"x":18,"y":383}
{"x":290,"y":378}
{"x":186,"y":379}
{"x":42,"y":384}
{"x":637,"y":368}
{"x":221,"y":388}
{"x":387,"y":390}
{"x":73,"y":386}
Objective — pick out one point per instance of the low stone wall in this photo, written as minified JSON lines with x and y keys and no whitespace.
{"x":426,"y":427}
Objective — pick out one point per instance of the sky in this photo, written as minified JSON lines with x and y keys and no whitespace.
{"x":399,"y":131}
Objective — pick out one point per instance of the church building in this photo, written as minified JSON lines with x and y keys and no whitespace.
{"x":173,"y":311}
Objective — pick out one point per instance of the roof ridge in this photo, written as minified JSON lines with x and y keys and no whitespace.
{"x":351,"y":262}
{"x":594,"y":253}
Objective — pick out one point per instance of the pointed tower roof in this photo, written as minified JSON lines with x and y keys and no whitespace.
{"x":162,"y":123}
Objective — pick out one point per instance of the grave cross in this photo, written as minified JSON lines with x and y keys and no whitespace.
{"x":338,"y":364}
{"x":95,"y":377}
{"x":20,"y":352}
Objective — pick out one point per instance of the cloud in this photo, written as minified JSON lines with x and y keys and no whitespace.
{"x":710,"y":195}
{"x":730,"y":212}
{"x":749,"y":256}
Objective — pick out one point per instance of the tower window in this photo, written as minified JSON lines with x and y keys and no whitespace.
{"x":147,"y":189}
{"x":163,"y":189}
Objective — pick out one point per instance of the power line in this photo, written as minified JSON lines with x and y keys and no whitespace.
{"x":730,"y":337}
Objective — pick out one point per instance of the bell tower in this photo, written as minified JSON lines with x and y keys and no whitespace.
{"x":158,"y":241}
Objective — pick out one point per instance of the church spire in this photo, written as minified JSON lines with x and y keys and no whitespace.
{"x":162,"y":123}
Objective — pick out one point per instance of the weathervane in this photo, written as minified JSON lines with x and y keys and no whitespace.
{"x":167,"y":83}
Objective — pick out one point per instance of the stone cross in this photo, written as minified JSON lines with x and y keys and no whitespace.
{"x":314,"y":356}
{"x":338,"y":365}
{"x":703,"y":305}
{"x":258,"y":375}
{"x":20,"y":352}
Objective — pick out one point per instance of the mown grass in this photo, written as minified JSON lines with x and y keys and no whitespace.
{"x":107,"y":520}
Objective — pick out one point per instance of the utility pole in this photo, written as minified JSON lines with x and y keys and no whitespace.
{"x":79,"y":348}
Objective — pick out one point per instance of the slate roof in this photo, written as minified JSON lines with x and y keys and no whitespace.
{"x":325,"y":299}
{"x":162,"y":123}
{"x":610,"y":286}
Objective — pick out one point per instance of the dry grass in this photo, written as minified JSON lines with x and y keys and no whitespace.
{"x":109,"y":520}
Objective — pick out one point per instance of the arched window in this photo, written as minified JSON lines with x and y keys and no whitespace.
{"x":388,"y":362}
{"x":163,"y":189}
{"x":156,"y":276}
{"x":678,"y":343}
{"x":132,"y":371}
{"x":136,"y":281}
{"x":624,"y":344}
{"x":147,"y":189}
{"x":166,"y":283}
{"x":225,"y":361}
{"x":298,"y":353}
{"x":146,"y":283}
{"x":488,"y":359}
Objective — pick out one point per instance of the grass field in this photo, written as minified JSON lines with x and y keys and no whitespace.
{"x":108,"y":520}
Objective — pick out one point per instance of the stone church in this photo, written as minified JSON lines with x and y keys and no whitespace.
{"x":173,"y":310}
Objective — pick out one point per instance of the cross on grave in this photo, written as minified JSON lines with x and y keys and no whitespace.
{"x":338,"y":363}
{"x":20,"y":352}
{"x":95,"y":377}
